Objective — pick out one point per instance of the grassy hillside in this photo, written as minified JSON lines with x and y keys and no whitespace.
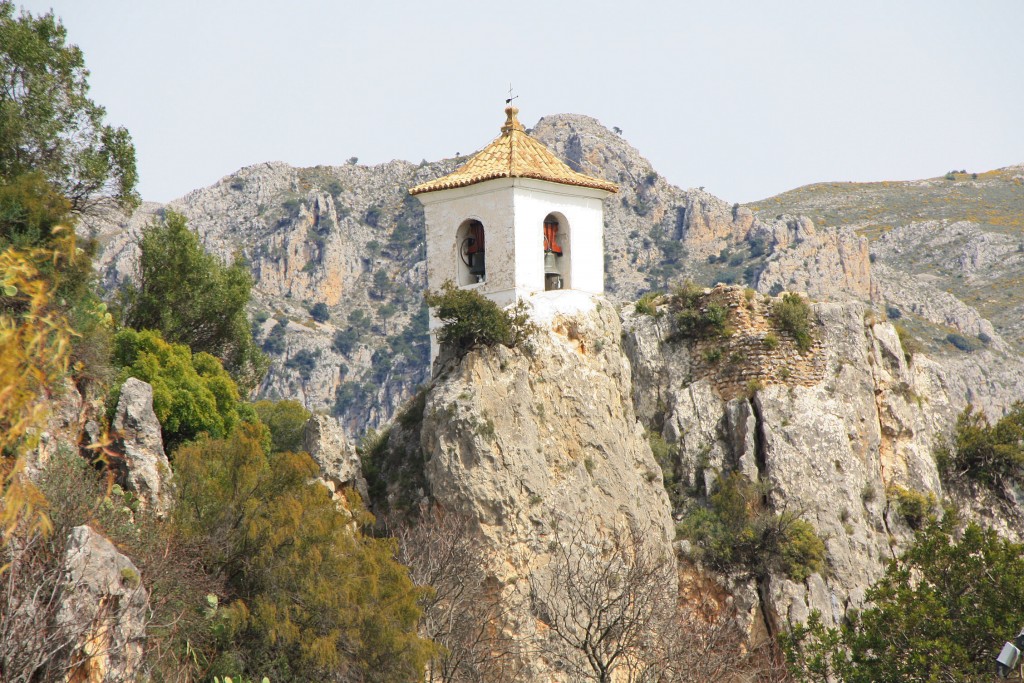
{"x":994,"y":200}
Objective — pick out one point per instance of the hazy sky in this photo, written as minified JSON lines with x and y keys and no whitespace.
{"x":745,"y":98}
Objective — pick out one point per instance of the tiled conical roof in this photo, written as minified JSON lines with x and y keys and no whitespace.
{"x":513,"y":155}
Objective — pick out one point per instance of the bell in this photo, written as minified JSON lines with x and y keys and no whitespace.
{"x":476,"y":264}
{"x":551,"y":263}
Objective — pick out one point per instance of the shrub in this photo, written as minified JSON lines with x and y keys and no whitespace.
{"x":961,"y":342}
{"x":737,"y":535}
{"x":304,"y":362}
{"x":471,"y":319}
{"x":908,"y":342}
{"x":647,"y":304}
{"x":793,"y":314}
{"x":914,"y":506}
{"x":180,"y":636}
{"x":320,"y":312}
{"x":310,"y":595}
{"x":667,"y":456}
{"x":992,"y":455}
{"x":286,"y":421}
{"x":192,"y":393}
{"x":893,"y":313}
{"x":695,"y":316}
{"x":274,"y":343}
{"x":771,"y":341}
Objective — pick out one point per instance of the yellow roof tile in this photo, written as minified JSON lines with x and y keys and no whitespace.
{"x":514,"y":154}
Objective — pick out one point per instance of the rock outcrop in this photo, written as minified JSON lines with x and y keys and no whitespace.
{"x":325,"y":440}
{"x":833,"y":445}
{"x":144,"y":469}
{"x":536,"y":447}
{"x":103,"y":611}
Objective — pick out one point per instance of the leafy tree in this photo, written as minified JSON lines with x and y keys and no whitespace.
{"x":312,"y":597}
{"x":941,"y":613}
{"x":192,"y":393}
{"x":49,"y":125}
{"x":471,"y":319}
{"x":286,"y":421}
{"x":192,"y":298}
{"x":345,"y":340}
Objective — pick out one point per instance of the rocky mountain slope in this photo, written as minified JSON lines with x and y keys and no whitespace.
{"x":349,"y":237}
{"x":546,"y":449}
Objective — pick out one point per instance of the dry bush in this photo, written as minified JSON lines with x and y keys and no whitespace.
{"x":464,"y":613}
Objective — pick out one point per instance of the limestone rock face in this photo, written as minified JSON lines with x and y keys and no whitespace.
{"x":146,"y":470}
{"x":325,"y":440}
{"x":104,"y":609}
{"x":827,"y":264}
{"x":831,"y":445}
{"x":537,"y":447}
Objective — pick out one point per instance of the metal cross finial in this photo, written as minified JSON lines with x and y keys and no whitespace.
{"x":510,"y":97}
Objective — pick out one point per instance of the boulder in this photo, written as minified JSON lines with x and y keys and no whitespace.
{"x":103,"y":610}
{"x":325,"y":440}
{"x":146,"y":470}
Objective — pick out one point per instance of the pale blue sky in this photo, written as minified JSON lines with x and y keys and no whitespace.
{"x":746,"y":98}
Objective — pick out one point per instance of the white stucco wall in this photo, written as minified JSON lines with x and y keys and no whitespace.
{"x":512,"y":211}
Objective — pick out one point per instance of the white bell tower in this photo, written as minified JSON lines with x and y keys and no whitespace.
{"x":514,"y":221}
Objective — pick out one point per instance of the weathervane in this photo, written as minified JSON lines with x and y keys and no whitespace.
{"x":510,"y":96}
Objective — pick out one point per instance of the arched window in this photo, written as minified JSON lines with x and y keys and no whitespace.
{"x":471,"y":264}
{"x":556,"y":252}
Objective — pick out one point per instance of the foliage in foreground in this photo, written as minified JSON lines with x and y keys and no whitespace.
{"x":941,"y":613}
{"x":311,"y":597}
{"x":992,"y":455}
{"x":48,"y":124}
{"x":192,"y":393}
{"x":471,"y":319}
{"x":192,"y":298}
{"x":736,"y":534}
{"x":179,"y":628}
{"x":286,"y":421}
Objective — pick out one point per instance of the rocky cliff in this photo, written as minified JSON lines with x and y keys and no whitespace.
{"x":838,"y":432}
{"x":539,"y":449}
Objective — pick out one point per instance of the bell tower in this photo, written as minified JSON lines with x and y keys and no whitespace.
{"x":514,"y":222}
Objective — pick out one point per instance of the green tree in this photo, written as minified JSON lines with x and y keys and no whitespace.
{"x":194,"y":299}
{"x":286,"y":421}
{"x":192,"y":393}
{"x":49,"y":125}
{"x":941,"y":613}
{"x":312,"y":598}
